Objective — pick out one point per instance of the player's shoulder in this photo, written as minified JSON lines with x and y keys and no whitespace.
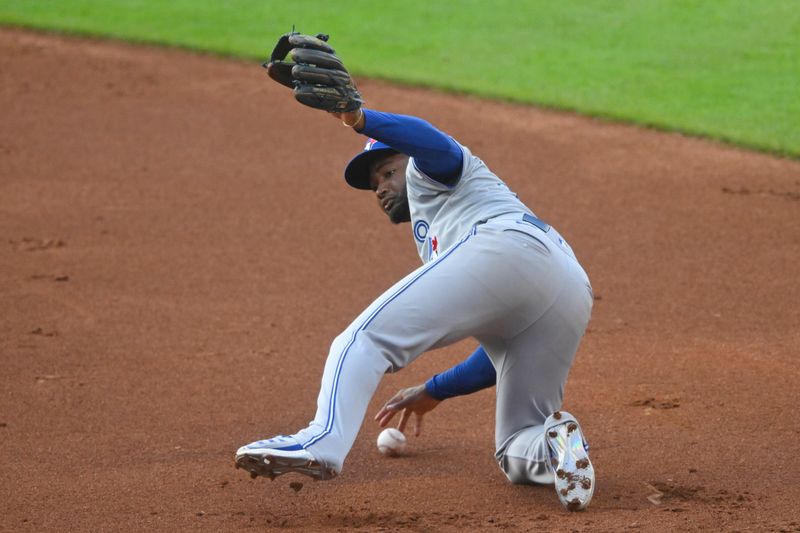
{"x":474,"y":172}
{"x":474,"y":165}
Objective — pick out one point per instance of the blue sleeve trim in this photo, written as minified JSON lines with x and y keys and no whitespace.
{"x":471,"y":375}
{"x":436,"y":155}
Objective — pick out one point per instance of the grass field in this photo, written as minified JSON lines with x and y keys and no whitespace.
{"x":728,"y":69}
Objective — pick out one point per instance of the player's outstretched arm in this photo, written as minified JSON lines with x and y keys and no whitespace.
{"x":435,"y":153}
{"x":471,"y":375}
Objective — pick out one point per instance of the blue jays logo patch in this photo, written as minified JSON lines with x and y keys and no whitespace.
{"x":420,"y":230}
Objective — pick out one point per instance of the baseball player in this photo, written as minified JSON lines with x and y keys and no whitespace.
{"x":491,"y":270}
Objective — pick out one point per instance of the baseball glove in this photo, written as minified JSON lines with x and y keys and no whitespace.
{"x":317,"y":76}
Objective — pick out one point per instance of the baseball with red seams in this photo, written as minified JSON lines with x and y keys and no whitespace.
{"x":391,"y":442}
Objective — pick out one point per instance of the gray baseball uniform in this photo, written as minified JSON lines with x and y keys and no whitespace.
{"x":491,"y":271}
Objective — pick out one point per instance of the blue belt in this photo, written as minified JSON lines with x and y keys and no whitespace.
{"x":530,"y":219}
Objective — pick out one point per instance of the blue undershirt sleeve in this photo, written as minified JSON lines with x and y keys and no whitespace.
{"x":435,"y":154}
{"x":471,"y":375}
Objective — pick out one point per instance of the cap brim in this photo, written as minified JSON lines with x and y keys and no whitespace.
{"x":357,"y":172}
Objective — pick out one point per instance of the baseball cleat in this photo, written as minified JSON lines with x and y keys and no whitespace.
{"x":574,"y":474}
{"x":277,"y":456}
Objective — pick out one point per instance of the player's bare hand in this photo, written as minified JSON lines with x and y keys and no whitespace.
{"x":413,"y":400}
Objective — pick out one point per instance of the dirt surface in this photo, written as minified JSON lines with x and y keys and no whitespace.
{"x":174,"y":265}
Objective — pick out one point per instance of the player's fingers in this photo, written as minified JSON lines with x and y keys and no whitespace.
{"x":418,"y":425}
{"x":389,"y":405}
{"x":386,"y":418}
{"x":403,"y":420}
{"x":384,"y":415}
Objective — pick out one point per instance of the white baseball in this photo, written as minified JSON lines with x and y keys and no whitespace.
{"x":391,"y":442}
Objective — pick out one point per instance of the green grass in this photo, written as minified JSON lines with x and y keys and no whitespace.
{"x":728,"y":69}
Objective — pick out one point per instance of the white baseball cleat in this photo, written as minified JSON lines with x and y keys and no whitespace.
{"x":574,"y":473}
{"x":280,"y":455}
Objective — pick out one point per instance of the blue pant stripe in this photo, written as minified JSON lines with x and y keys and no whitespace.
{"x":343,"y":356}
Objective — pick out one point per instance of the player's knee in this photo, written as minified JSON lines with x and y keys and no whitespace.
{"x":376,"y":345}
{"x":522,"y":471}
{"x":341,"y":339}
{"x":515,"y":476}
{"x":383,"y":345}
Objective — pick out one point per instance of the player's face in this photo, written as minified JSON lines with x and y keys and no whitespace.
{"x":387,"y":177}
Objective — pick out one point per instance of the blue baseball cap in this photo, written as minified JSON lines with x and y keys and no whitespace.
{"x":357,"y":172}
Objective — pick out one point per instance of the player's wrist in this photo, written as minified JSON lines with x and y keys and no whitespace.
{"x":356,"y":123}
{"x":432,"y":390}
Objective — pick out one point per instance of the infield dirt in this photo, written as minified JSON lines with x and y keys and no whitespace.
{"x":178,"y":249}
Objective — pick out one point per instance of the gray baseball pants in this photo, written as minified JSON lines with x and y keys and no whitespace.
{"x":517,"y":289}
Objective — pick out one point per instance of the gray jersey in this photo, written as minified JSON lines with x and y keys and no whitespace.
{"x":442,"y":215}
{"x":504,"y":282}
